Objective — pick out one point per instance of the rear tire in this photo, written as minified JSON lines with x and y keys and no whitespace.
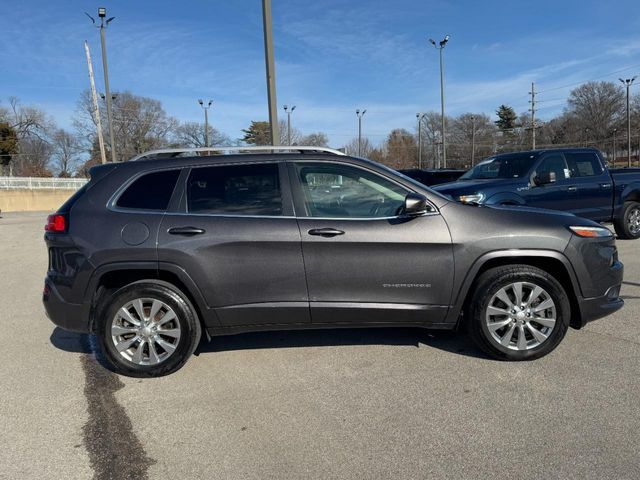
{"x":627,"y":226}
{"x":148,"y":329}
{"x":518,"y":312}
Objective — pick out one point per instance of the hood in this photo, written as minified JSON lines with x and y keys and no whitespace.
{"x":463,"y":187}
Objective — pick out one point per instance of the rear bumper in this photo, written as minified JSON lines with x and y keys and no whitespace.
{"x":69,"y":316}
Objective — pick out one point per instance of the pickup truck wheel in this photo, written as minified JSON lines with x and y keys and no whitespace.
{"x":518,"y":312}
{"x":148,"y":330}
{"x":628,"y":225}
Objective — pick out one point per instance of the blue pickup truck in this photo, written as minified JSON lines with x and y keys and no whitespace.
{"x":574,"y":180}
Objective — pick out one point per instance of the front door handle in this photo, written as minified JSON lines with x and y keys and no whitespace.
{"x":185,"y":231}
{"x":605,"y":185}
{"x":572,"y":189}
{"x":325,"y":232}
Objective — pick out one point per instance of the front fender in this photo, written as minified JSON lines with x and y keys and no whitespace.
{"x":505,"y":198}
{"x":512,"y":256}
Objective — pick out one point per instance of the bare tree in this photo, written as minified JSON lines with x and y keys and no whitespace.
{"x":598,"y":108}
{"x":401,"y":149}
{"x":316,"y":139}
{"x":140,"y":123}
{"x":33,"y":128}
{"x":66,"y":153}
{"x":191,"y":134}
{"x":351,"y":148}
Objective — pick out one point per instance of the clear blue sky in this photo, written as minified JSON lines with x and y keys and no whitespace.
{"x":331,"y":56}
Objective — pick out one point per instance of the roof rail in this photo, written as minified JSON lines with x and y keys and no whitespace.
{"x":177,"y":152}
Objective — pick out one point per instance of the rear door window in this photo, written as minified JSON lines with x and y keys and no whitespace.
{"x":584,"y":164}
{"x":150,"y":192}
{"x":235,"y":190}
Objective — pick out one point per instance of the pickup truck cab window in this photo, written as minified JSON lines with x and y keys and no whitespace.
{"x":584,"y":164}
{"x":555,"y":163}
{"x":342,"y":191}
{"x":516,"y":165}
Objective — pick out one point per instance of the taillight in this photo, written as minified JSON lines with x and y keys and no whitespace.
{"x":56,"y":223}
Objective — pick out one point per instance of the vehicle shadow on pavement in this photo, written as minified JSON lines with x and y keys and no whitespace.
{"x":452,"y":342}
{"x":70,"y":341}
{"x":448,"y":341}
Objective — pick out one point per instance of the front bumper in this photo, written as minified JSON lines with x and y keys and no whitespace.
{"x":597,"y":307}
{"x":69,"y":316}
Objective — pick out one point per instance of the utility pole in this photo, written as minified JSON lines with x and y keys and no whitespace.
{"x":615,"y":131}
{"x":102,"y":13}
{"x":420,"y":116}
{"x":271,"y":71}
{"x":206,"y":120}
{"x":96,"y":107}
{"x":533,"y":115}
{"x":360,"y":115}
{"x":628,"y":82}
{"x":440,"y":46}
{"x":289,"y":112}
{"x":473,"y":140}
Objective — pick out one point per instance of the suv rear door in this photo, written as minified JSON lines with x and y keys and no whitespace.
{"x":235,"y":234}
{"x":365,"y":263}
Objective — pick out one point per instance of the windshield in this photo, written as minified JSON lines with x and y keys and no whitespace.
{"x":504,"y":166}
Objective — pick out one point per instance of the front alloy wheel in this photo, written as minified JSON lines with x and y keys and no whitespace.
{"x":521,"y":316}
{"x":517,"y":312}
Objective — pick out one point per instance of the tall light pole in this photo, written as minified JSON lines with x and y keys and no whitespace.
{"x":271,"y":71}
{"x":615,"y":131}
{"x":473,"y":140}
{"x":289,"y":111}
{"x":420,"y":116}
{"x":360,"y":114}
{"x":440,"y":46}
{"x":102,"y":13}
{"x":628,"y":82}
{"x":206,"y":120}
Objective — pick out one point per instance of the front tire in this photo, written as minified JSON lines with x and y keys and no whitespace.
{"x":518,"y":312}
{"x":628,"y":225}
{"x":148,"y":329}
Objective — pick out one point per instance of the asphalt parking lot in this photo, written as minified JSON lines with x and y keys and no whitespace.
{"x":390,"y":403}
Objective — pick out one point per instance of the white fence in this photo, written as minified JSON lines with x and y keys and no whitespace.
{"x":41,"y":183}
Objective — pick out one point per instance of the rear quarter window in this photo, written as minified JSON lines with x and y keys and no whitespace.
{"x":151,"y":191}
{"x":583,"y":164}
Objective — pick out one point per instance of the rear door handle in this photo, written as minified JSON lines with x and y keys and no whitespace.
{"x":185,"y":231}
{"x":325,"y":232}
{"x":572,"y":189}
{"x":605,"y":185}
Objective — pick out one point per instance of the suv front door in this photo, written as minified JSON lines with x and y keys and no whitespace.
{"x":366,"y":263}
{"x":235,"y":234}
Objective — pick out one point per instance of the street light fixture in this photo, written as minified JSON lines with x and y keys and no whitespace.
{"x":440,"y":46}
{"x":628,"y":82}
{"x":360,"y":114}
{"x":102,"y":13}
{"x":206,"y":120}
{"x":289,"y":112}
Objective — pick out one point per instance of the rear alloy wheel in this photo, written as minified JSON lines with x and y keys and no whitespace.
{"x":148,"y":329}
{"x":145,"y":331}
{"x":628,"y":225}
{"x":518,"y":312}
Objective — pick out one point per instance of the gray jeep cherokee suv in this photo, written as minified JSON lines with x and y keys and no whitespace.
{"x":151,"y":253}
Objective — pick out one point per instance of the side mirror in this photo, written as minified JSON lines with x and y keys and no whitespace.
{"x":544,"y":178}
{"x":415,"y":204}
